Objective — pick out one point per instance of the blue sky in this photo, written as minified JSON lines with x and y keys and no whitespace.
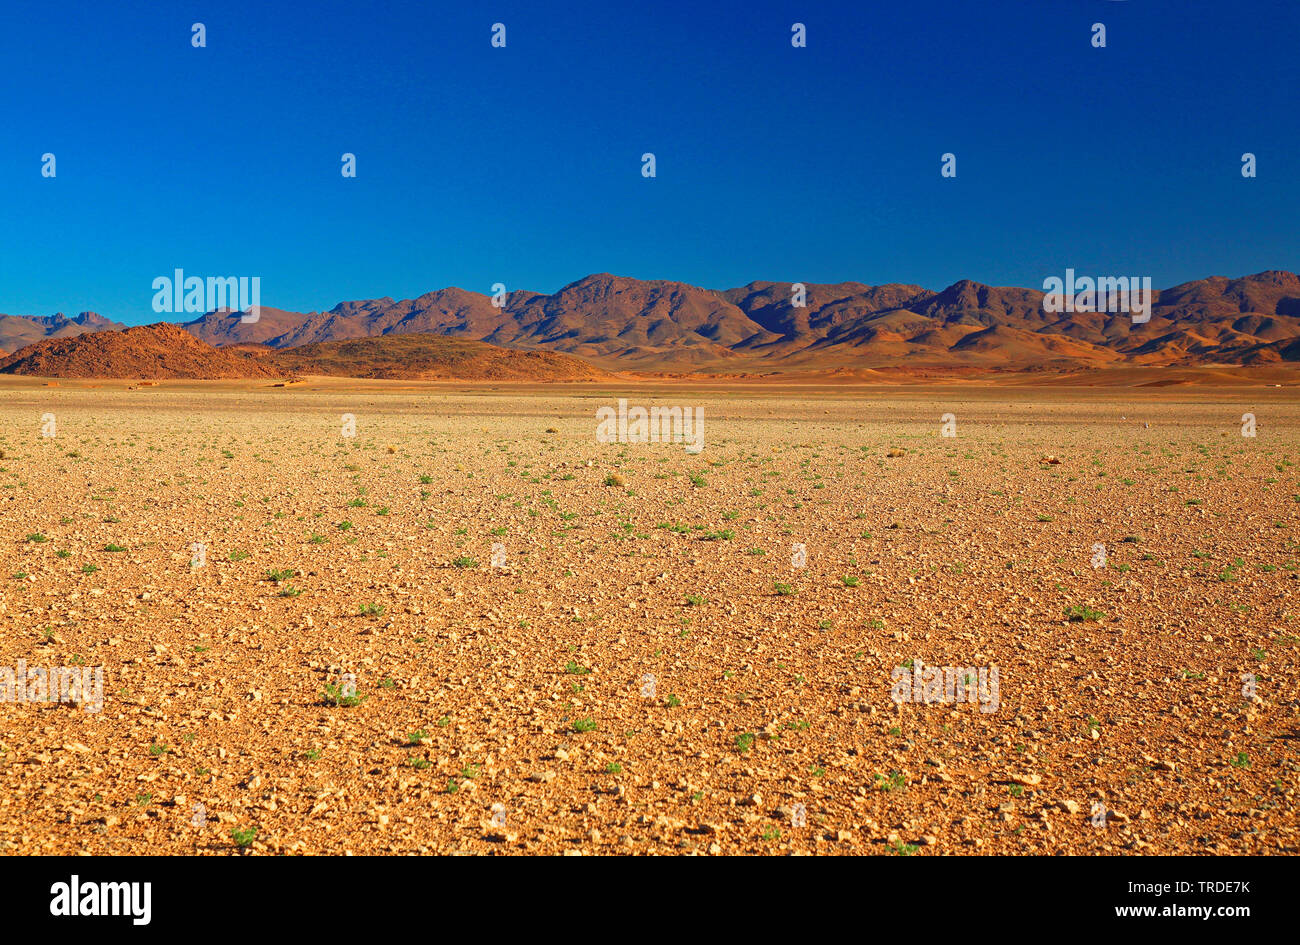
{"x":522,"y":165}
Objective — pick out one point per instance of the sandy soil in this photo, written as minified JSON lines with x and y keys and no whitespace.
{"x":768,"y":726}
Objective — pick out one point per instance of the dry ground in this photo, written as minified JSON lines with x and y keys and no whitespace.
{"x":771,"y":684}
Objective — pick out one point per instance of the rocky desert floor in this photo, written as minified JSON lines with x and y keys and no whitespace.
{"x":648,"y":671}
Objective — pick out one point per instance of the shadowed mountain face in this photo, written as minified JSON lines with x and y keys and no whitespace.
{"x":625,"y":324}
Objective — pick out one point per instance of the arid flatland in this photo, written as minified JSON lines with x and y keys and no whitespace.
{"x":649,"y":672}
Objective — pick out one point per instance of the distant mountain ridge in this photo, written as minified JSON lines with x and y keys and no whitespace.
{"x":17,"y":331}
{"x":620,"y":323}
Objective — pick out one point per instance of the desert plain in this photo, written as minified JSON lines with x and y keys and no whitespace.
{"x":309,"y":644}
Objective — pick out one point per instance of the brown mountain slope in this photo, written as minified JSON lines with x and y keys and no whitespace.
{"x":428,"y":357}
{"x":1029,"y":347}
{"x":151,"y":352}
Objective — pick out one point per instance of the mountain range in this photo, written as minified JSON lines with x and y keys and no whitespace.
{"x":624,"y":324}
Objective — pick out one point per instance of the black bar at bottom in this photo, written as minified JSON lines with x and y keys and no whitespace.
{"x":262,"y":895}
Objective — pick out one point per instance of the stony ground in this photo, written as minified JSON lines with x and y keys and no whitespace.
{"x":649,"y":672}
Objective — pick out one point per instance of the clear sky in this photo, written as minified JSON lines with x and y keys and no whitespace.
{"x":522,"y":165}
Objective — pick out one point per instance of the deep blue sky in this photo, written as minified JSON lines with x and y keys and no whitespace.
{"x":522,"y":165}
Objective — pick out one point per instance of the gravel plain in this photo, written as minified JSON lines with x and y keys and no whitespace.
{"x":652,"y":664}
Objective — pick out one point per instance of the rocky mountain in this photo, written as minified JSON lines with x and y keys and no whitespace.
{"x":148,"y":352}
{"x":655,"y":325}
{"x":168,"y":351}
{"x":623,"y":323}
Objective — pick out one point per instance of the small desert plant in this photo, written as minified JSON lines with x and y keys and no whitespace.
{"x":893,"y":782}
{"x":341,"y":696}
{"x":1079,"y":612}
{"x":243,"y":838}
